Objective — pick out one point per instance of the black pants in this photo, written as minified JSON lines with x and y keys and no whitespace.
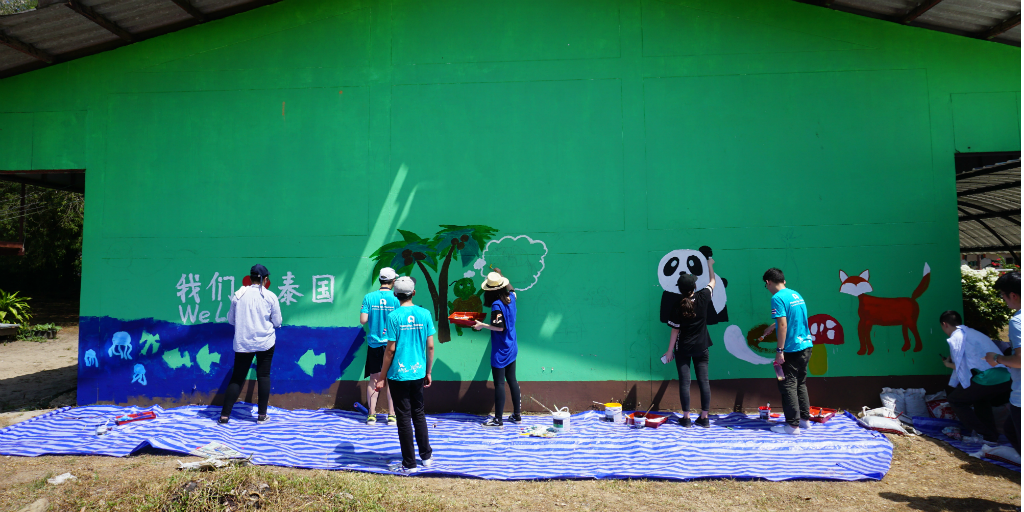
{"x":973,"y":406}
{"x":408,"y":398}
{"x":1012,"y":427}
{"x":700,"y":367}
{"x":795,"y":401}
{"x":243,"y":360}
{"x":501,"y":376}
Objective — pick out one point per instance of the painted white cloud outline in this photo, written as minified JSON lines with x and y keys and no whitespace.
{"x":482,"y":261}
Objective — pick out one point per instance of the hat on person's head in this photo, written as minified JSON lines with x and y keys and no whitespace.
{"x":494,"y":281}
{"x":259,"y":270}
{"x":388,"y":274}
{"x":404,"y":285}
{"x":687,"y":283}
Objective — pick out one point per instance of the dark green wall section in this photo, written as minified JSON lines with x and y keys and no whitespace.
{"x":306,"y":134}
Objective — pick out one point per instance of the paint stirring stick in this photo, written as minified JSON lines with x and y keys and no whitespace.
{"x":542,"y":405}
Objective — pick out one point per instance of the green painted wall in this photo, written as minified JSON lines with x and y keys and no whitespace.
{"x":305,"y":134}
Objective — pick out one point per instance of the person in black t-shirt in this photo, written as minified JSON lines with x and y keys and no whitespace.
{"x":689,"y":342}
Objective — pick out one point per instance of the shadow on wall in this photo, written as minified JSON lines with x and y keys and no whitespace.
{"x":163,"y":360}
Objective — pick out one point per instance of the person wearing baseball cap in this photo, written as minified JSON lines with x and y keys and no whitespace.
{"x":255,"y":312}
{"x":500,"y":295}
{"x":408,"y":360}
{"x":374,"y":315}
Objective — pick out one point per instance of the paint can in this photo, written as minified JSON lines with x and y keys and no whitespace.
{"x":611,"y":410}
{"x":639,"y":421}
{"x":764,"y":413}
{"x":560,"y":419}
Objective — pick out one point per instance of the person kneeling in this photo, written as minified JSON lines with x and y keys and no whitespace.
{"x":974,"y":386}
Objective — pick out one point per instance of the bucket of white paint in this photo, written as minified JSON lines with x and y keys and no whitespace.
{"x":560,"y":419}
{"x":611,"y":410}
{"x":639,"y":421}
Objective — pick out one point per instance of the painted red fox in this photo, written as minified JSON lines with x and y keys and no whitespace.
{"x":885,"y":311}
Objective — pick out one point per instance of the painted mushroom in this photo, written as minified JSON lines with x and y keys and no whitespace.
{"x":825,"y":330}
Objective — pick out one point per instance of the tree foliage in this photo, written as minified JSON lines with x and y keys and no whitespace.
{"x":52,"y":263}
{"x":984,"y":309}
{"x":16,"y":6}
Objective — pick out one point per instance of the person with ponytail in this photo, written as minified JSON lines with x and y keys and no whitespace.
{"x":688,"y":344}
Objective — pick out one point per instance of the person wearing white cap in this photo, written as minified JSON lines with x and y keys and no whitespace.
{"x":374,"y":315}
{"x":407,"y":362}
{"x":504,"y":349}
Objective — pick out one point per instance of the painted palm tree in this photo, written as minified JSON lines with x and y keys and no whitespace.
{"x":454,"y":242}
{"x":402,"y":255}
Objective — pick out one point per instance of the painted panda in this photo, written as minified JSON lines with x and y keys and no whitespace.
{"x":688,"y":261}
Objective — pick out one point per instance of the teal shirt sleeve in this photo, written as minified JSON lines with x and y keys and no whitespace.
{"x":365,"y":308}
{"x":391,"y":327}
{"x":430,"y":322}
{"x":778,"y":307}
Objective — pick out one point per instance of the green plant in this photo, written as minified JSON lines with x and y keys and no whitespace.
{"x":984,"y":309}
{"x":14,"y":309}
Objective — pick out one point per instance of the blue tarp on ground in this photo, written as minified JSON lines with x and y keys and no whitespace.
{"x":932,"y":427}
{"x":736,"y":446}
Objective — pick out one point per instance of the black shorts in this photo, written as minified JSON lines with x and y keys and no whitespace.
{"x":374,"y":360}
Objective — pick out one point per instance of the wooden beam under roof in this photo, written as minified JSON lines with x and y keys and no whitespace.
{"x":100,"y":20}
{"x":25,"y":48}
{"x":916,"y":12}
{"x":187,"y":6}
{"x":1013,"y":21}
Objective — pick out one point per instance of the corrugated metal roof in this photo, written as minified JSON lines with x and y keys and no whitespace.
{"x":971,"y":18}
{"x":988,"y":199}
{"x":57,"y":32}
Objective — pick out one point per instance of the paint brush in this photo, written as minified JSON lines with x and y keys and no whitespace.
{"x":542,"y":405}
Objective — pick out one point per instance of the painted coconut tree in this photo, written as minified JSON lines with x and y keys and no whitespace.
{"x":451,"y":243}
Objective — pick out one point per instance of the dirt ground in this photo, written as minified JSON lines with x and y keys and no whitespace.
{"x":35,"y":377}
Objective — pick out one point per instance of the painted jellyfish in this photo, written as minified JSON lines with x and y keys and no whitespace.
{"x":91,"y":359}
{"x":121,"y":344}
{"x":139,"y":375}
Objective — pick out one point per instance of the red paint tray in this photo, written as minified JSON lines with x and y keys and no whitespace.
{"x":135,"y":416}
{"x":653,"y":420}
{"x":822,"y":414}
{"x":466,"y":319}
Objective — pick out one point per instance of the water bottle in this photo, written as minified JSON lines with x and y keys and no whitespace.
{"x":361,"y":408}
{"x":778,"y":371}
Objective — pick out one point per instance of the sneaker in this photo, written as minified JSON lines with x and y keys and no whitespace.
{"x":262,"y":419}
{"x":371,"y":419}
{"x":222,"y":421}
{"x":493,"y":422}
{"x":399,"y":468}
{"x":427,"y":463}
{"x":805,"y":424}
{"x":512,"y":418}
{"x":685,"y":422}
{"x":703,"y":422}
{"x":392,"y":420}
{"x":786,"y":429}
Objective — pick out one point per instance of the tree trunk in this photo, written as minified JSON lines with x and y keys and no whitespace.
{"x":444,"y":331}
{"x":430,"y":286}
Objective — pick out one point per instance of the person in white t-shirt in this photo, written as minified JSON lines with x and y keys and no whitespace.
{"x":1008,"y":286}
{"x":255,"y":312}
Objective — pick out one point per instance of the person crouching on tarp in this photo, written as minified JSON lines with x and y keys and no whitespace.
{"x":504,"y":349}
{"x":255,"y":313}
{"x":689,"y":342}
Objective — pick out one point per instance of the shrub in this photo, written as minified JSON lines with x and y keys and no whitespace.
{"x":14,"y":309}
{"x":984,"y":309}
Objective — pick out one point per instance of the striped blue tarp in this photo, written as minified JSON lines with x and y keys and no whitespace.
{"x":932,"y":427}
{"x":736,"y":446}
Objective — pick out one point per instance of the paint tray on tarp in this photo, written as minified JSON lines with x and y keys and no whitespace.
{"x":466,"y":319}
{"x":653,"y":420}
{"x":822,"y":414}
{"x":135,"y":416}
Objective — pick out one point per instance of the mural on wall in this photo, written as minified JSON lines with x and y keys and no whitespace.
{"x":688,"y":261}
{"x":884,"y":311}
{"x":520,"y":258}
{"x":757,"y":349}
{"x":197,"y":359}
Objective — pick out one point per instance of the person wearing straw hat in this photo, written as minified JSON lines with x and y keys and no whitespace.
{"x":504,"y":349}
{"x":374,"y":315}
{"x":255,"y":312}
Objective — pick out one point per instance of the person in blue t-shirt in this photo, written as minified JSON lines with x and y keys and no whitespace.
{"x":407,"y":362}
{"x":793,"y":351}
{"x":1008,"y":286}
{"x":504,"y":349}
{"x":374,"y":314}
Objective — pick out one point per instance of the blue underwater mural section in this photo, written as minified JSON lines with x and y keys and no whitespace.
{"x":131,"y":360}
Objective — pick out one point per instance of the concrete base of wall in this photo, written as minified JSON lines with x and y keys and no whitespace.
{"x":478,"y":397}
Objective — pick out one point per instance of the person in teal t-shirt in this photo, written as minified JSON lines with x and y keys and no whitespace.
{"x":407,"y":362}
{"x":793,"y":351}
{"x":374,"y":314}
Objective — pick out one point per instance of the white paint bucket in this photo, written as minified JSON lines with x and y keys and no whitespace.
{"x":560,"y":419}
{"x":611,"y":410}
{"x":639,"y":421}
